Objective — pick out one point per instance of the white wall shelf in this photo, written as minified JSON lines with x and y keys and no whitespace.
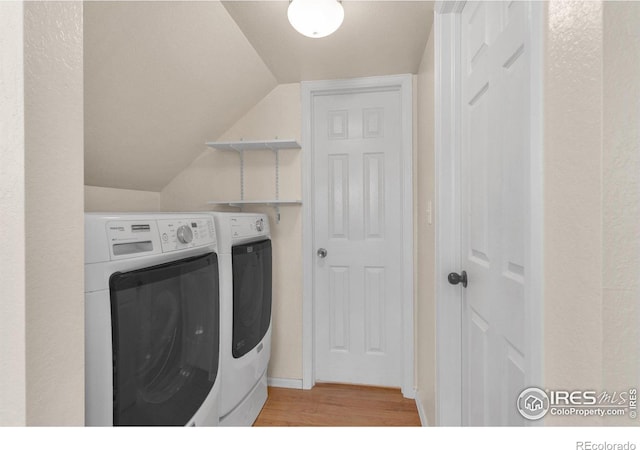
{"x":242,"y":146}
{"x":241,"y":203}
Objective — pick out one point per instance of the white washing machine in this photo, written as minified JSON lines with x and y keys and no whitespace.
{"x":152,"y":320}
{"x":244,"y":245}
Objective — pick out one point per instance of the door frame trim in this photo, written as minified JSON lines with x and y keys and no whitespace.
{"x":447,"y":214}
{"x":309,"y":90}
{"x":447,"y":28}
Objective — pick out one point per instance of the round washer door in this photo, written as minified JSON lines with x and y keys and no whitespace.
{"x":165,"y":332}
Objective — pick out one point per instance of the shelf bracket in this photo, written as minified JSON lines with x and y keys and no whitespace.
{"x":277,"y":174}
{"x":241,"y":174}
{"x":277,"y":209}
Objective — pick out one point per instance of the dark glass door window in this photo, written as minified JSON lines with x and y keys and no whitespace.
{"x":165,"y":325}
{"x":251,"y":295}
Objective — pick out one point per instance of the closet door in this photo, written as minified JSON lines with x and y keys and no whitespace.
{"x":495,"y":73}
{"x":358,"y":225}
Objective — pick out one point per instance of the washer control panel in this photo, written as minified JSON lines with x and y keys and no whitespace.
{"x":129,"y":238}
{"x":185,"y":233}
{"x":242,"y":226}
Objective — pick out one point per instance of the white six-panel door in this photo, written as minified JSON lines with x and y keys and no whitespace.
{"x":495,"y":149}
{"x":357,"y":148}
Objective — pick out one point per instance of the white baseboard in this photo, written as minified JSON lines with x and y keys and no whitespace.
{"x":410,"y":394}
{"x":290,"y":383}
{"x":421,"y":412}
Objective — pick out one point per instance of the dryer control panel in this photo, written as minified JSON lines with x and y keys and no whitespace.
{"x":248,"y":226}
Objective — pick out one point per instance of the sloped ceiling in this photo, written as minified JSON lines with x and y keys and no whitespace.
{"x":162,"y":78}
{"x":376,"y":38}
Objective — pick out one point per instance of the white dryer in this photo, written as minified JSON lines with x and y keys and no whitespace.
{"x":152,"y":320}
{"x":244,"y":245}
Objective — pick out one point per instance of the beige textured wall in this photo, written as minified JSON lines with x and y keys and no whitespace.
{"x":161,"y":78}
{"x":215,"y":175}
{"x":572,"y":199}
{"x":12,"y":258}
{"x":573,"y":208}
{"x":54,"y":223}
{"x":425,"y":269}
{"x":102,"y":199}
{"x":621,"y":197}
{"x":592,"y":199}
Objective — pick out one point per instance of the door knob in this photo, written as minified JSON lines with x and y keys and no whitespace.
{"x":322,"y":253}
{"x":456,"y":278}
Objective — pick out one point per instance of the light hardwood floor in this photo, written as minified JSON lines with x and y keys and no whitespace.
{"x":338,"y":405}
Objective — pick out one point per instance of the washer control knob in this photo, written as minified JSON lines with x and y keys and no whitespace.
{"x":185,"y":235}
{"x":260,"y":224}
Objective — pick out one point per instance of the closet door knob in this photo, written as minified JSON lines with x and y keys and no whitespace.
{"x":322,"y":253}
{"x":457,"y":278}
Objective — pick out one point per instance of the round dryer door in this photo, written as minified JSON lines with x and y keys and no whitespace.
{"x":251,"y":295}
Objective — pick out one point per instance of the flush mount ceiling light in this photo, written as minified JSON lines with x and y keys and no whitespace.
{"x":315,"y":18}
